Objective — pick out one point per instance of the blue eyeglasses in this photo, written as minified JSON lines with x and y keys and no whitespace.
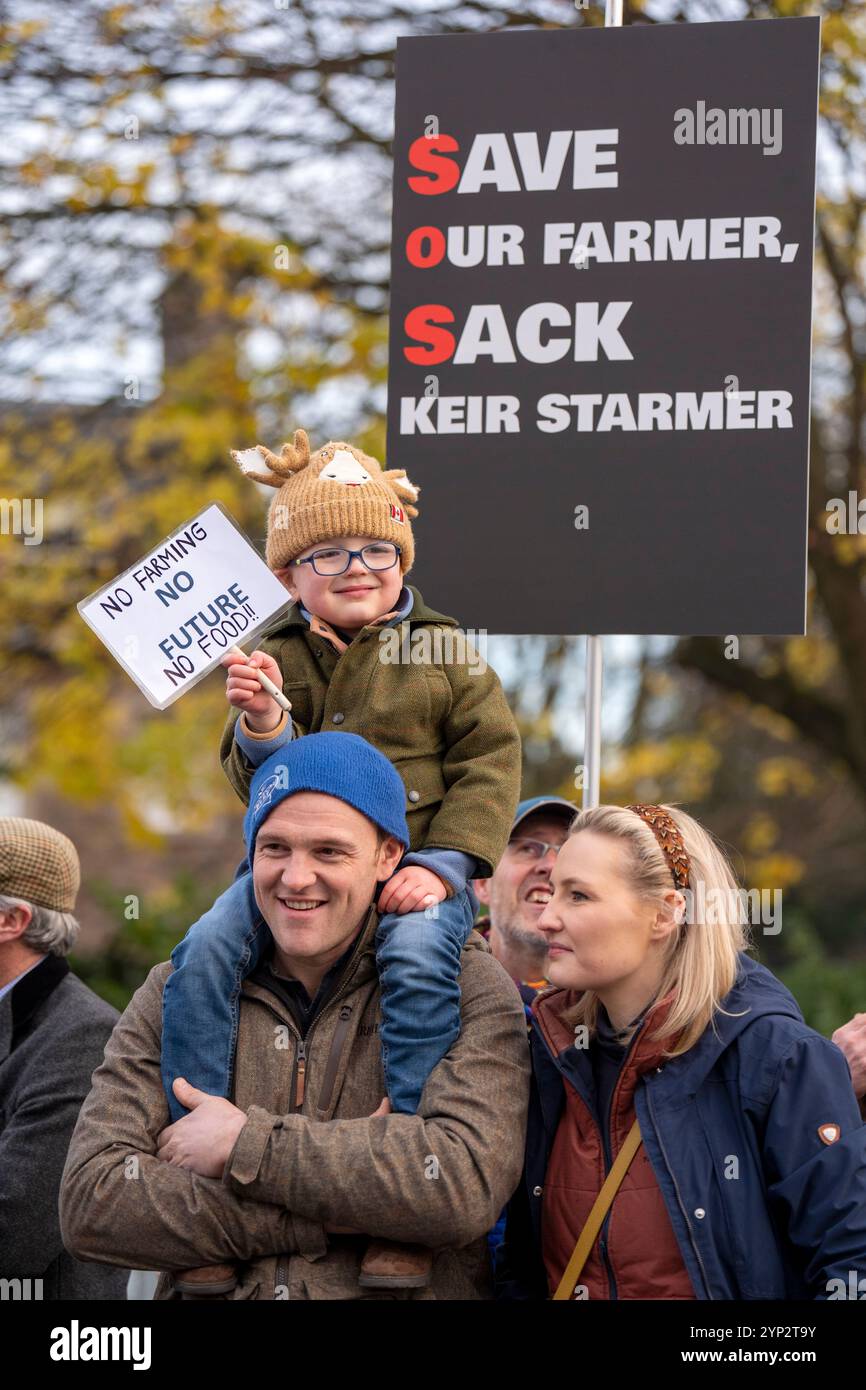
{"x":378,"y":555}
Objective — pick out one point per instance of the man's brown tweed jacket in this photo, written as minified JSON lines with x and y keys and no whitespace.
{"x":309,"y":1155}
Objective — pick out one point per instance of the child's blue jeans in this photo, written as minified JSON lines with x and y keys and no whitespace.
{"x":418,"y":958}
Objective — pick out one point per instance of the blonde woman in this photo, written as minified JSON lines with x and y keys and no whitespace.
{"x":748,"y":1174}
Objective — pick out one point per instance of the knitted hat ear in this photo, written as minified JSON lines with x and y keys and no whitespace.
{"x":291,"y":459}
{"x":406,"y":491}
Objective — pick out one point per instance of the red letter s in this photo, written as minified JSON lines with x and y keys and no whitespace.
{"x":419,"y":325}
{"x":423,"y":155}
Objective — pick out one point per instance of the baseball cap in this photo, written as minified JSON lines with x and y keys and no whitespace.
{"x":543,"y":803}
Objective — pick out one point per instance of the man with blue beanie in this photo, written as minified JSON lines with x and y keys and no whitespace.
{"x":420,"y":1016}
{"x":284,"y":1182}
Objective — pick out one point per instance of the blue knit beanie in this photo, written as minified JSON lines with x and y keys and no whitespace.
{"x":338,"y":764}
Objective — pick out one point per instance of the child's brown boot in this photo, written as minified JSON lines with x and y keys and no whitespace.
{"x":389,"y":1265}
{"x":205,"y":1280}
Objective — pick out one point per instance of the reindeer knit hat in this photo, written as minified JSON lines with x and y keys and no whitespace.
{"x":337,"y":491}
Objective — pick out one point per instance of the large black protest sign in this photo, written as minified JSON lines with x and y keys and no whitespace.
{"x":600,"y":324}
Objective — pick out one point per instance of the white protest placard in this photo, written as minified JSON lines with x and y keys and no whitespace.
{"x":172,"y":615}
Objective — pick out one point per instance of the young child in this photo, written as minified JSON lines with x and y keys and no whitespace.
{"x":361,"y":652}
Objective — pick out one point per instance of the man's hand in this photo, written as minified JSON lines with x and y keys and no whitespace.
{"x":383,"y":1109}
{"x":851,"y":1037}
{"x":410,"y":889}
{"x":203,"y":1139}
{"x":245,"y":693}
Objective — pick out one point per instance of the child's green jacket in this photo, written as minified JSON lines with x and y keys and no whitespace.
{"x":419,"y":691}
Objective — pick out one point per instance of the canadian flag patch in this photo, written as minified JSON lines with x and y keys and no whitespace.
{"x":397,"y":513}
{"x":828,"y":1134}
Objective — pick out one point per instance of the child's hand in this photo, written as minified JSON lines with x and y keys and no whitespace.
{"x":244,"y":692}
{"x":410,"y":889}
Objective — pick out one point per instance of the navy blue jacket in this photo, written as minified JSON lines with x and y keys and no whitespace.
{"x":757,"y":1089}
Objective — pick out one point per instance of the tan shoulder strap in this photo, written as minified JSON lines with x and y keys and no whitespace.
{"x":600,"y":1208}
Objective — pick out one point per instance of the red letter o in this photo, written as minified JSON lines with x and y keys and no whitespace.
{"x":414,"y":253}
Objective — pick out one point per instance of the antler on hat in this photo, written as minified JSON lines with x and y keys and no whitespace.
{"x":291,"y":459}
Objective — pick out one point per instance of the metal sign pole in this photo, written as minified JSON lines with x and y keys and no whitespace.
{"x":594,"y":645}
{"x":592,"y":733}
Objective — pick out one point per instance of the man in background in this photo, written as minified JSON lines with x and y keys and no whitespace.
{"x":53,"y":1031}
{"x":519,"y":891}
{"x":516,"y":895}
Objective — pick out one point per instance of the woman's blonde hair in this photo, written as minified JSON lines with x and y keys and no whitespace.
{"x":702,"y":960}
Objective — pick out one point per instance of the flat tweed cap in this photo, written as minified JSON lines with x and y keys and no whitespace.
{"x":38,"y":864}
